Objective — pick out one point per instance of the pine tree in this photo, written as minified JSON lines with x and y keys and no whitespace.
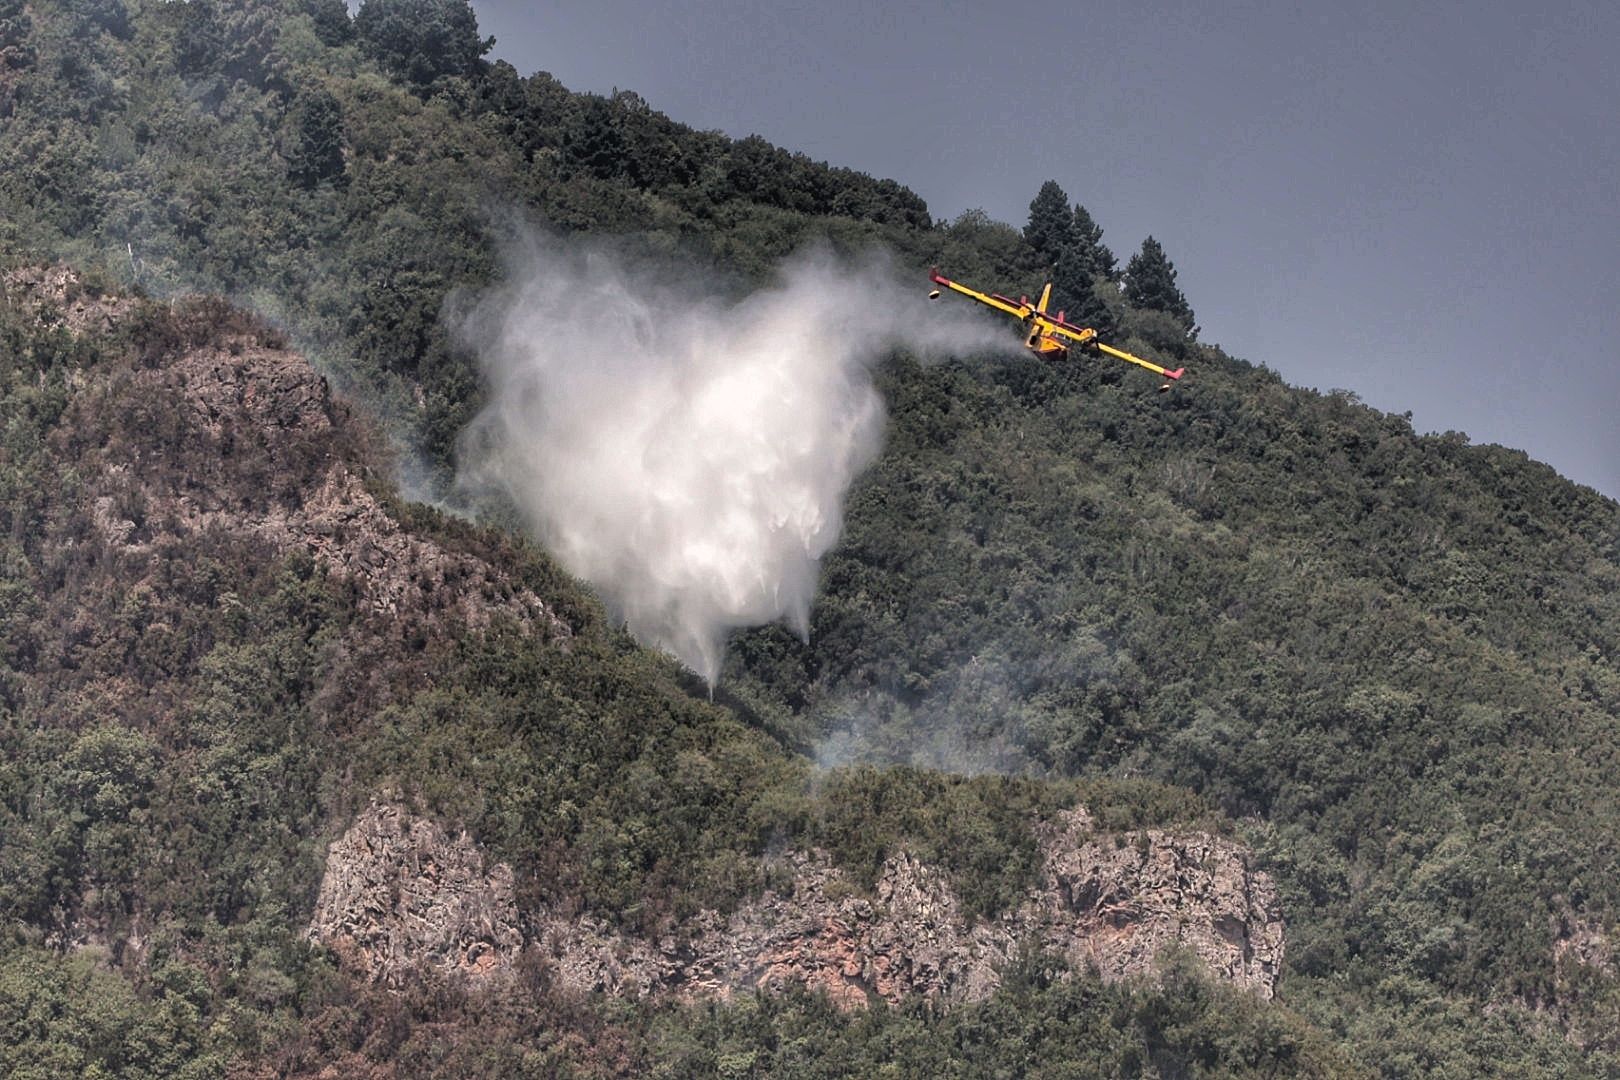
{"x":1150,"y":284}
{"x":1068,"y":246}
{"x":317,"y":150}
{"x":1088,"y":237}
{"x":1074,"y":292}
{"x":1051,"y":224}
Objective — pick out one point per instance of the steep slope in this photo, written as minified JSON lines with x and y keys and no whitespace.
{"x":1390,"y":656}
{"x":1395,"y":654}
{"x":224,"y":640}
{"x":1286,"y":601}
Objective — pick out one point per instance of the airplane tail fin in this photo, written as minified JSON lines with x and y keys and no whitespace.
{"x":1046,"y":295}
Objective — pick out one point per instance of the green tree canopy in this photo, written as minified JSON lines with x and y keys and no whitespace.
{"x":1088,"y":239}
{"x":1074,"y":292}
{"x":331,"y":18}
{"x":1150,"y":284}
{"x":421,"y":40}
{"x":1068,"y":246}
{"x":316,"y":152}
{"x":1051,"y":223}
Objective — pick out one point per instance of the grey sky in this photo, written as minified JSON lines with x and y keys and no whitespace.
{"x":1417,"y":202}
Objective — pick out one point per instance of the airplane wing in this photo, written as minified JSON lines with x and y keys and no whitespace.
{"x":1085,"y":335}
{"x":1000,"y":303}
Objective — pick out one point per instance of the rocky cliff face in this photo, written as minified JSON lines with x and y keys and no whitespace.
{"x":1110,"y":902}
{"x":401,"y":894}
{"x":1117,"y":900}
{"x":271,"y":459}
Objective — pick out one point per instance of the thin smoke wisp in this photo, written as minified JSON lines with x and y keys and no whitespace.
{"x":685,"y":455}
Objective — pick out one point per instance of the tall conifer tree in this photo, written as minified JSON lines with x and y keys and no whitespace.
{"x":1074,"y":292}
{"x":1051,"y":224}
{"x":1150,"y":284}
{"x":1067,"y":244}
{"x":1088,"y":237}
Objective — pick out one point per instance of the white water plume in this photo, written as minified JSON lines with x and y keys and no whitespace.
{"x":688,"y":456}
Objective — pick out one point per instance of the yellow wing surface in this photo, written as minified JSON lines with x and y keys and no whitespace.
{"x":1018,"y":309}
{"x":1050,"y":336}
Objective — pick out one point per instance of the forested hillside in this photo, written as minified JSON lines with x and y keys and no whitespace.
{"x":1384,"y":660}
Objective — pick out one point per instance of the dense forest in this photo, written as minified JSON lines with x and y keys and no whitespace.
{"x":1385,"y":660}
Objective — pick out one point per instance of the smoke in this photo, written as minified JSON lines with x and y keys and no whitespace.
{"x":685,"y":455}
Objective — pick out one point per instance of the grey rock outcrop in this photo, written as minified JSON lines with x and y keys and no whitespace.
{"x":1111,"y":902}
{"x":401,"y":895}
{"x":1118,"y":900}
{"x":275,"y":461}
{"x":334,"y":516}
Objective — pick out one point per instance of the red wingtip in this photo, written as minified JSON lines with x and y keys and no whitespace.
{"x":936,"y":277}
{"x":1176,"y":374}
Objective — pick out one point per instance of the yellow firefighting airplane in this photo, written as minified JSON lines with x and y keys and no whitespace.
{"x":1049,"y":337}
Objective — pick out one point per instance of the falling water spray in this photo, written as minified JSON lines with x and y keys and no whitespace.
{"x":686,"y":455}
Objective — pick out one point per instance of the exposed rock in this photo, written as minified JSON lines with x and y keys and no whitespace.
{"x":588,"y":955}
{"x":1118,"y":900}
{"x":1110,"y":902}
{"x":1581,"y":997}
{"x":201,"y":452}
{"x":336,"y":518}
{"x":909,"y":939}
{"x":279,"y":468}
{"x":401,"y":895}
